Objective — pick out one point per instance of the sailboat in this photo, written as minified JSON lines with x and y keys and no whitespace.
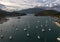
{"x":10,"y":37}
{"x":38,"y":37}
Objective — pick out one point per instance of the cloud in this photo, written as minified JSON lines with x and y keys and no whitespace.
{"x":24,"y":4}
{"x":19,"y":4}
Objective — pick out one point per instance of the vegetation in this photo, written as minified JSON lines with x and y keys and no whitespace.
{"x":52,"y":13}
{"x":48,"y":13}
{"x":5,"y":13}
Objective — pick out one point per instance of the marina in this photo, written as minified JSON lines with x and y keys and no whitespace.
{"x":29,"y":28}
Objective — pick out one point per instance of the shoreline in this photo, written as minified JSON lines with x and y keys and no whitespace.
{"x":57,"y":24}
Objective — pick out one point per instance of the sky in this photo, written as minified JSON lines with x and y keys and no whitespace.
{"x":24,"y":4}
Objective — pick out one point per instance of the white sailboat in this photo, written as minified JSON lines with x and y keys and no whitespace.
{"x":58,"y":38}
{"x":10,"y":37}
{"x":25,"y":29}
{"x":38,"y":37}
{"x":49,"y":29}
{"x":17,"y":29}
{"x":2,"y":36}
{"x":28,"y":34}
{"x":43,"y":30}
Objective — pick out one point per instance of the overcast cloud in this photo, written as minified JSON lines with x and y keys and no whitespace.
{"x":23,"y":4}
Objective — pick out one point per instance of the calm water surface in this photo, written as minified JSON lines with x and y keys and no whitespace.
{"x":30,"y":22}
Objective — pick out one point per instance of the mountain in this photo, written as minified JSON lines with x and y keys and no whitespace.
{"x":14,"y":13}
{"x":48,"y":13}
{"x":2,"y":6}
{"x":39,"y":9}
{"x":31,"y":10}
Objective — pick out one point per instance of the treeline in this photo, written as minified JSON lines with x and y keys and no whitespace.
{"x":14,"y":13}
{"x":47,"y":13}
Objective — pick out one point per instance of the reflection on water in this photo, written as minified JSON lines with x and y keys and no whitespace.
{"x":29,"y":28}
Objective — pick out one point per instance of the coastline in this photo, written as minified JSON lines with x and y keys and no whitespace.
{"x":57,"y":24}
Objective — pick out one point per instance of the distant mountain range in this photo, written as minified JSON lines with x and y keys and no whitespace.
{"x":48,"y":13}
{"x":35,"y":9}
{"x":2,"y":6}
{"x":39,"y":9}
{"x":31,"y":10}
{"x":14,"y":13}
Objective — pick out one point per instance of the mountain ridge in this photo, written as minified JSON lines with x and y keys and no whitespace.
{"x":39,"y":9}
